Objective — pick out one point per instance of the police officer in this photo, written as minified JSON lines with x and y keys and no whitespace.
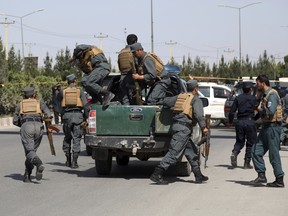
{"x":56,"y":104}
{"x":181,"y":140}
{"x":246,"y":130}
{"x":127,"y":66}
{"x":269,"y":137}
{"x":28,"y":115}
{"x":147,"y":75}
{"x":92,"y":61}
{"x":73,"y":102}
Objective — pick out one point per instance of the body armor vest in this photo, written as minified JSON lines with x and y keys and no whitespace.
{"x":126,"y":61}
{"x":88,"y":55}
{"x":278,"y":114}
{"x":71,"y":98}
{"x":30,"y":106}
{"x":158,"y":62}
{"x":183,"y":104}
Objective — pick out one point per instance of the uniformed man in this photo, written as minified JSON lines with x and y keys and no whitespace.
{"x":246,"y":130}
{"x":182,"y":127}
{"x":28,"y":115}
{"x":148,"y":75}
{"x":269,"y":137}
{"x":73,"y":102}
{"x":56,"y":104}
{"x":127,"y":66}
{"x":92,"y":61}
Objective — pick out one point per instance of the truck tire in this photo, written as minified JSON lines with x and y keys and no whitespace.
{"x":215,"y":122}
{"x":103,"y":167}
{"x":183,"y":168}
{"x":88,"y":150}
{"x":122,"y":160}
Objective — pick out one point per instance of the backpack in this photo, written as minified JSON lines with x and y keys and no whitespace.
{"x":126,"y":60}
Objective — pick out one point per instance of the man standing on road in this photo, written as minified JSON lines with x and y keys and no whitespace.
{"x":92,"y":61}
{"x":245,"y":127}
{"x":73,"y":101}
{"x":56,"y":104}
{"x":28,"y":115}
{"x":270,"y":110}
{"x":182,"y":127}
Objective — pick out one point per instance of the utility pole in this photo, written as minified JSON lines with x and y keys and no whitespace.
{"x":170,"y":43}
{"x":228,"y":51}
{"x":6,"y":24}
{"x":101,"y":38}
{"x":152,"y":33}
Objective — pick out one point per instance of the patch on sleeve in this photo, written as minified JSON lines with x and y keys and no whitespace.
{"x":269,"y":104}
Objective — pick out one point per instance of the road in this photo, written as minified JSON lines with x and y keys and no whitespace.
{"x":128,"y":191}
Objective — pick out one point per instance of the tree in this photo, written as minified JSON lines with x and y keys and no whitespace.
{"x":3,"y":64}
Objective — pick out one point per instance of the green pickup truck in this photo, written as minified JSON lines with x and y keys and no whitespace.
{"x":124,"y":131}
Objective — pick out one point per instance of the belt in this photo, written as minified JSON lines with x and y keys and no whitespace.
{"x":189,"y":125}
{"x":245,"y":118}
{"x":271,"y":124}
{"x":30,"y":120}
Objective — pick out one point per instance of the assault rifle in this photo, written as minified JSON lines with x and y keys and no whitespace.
{"x":206,"y":141}
{"x":49,"y":129}
{"x":137,"y":87}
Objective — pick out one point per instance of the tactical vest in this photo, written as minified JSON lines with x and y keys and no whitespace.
{"x":278,"y":114}
{"x":88,"y":55}
{"x":71,"y":98}
{"x":158,"y":62}
{"x":126,"y":61}
{"x":30,"y":106}
{"x":183,"y":104}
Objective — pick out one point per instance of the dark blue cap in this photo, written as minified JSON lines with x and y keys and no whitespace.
{"x":247,"y":84}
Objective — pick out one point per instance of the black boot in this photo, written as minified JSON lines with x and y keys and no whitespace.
{"x":27,"y":176}
{"x":74,"y":164}
{"x":39,"y":168}
{"x":247,"y":164}
{"x":107,"y":97}
{"x":260,"y":179}
{"x":233,"y":158}
{"x":157,"y":176}
{"x":68,"y":159}
{"x":277,"y":183}
{"x":199,"y":177}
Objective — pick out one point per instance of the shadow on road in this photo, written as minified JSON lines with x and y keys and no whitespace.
{"x":247,"y":183}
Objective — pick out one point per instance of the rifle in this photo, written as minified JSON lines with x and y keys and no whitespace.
{"x":49,"y":129}
{"x":206,"y":143}
{"x":138,"y":95}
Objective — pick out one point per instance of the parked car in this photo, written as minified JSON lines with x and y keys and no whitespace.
{"x":216,"y":95}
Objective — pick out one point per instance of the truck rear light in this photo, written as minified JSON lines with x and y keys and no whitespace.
{"x":92,"y":121}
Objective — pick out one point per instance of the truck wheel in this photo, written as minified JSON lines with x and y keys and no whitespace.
{"x":103,"y":167}
{"x":88,"y":150}
{"x":122,"y":160}
{"x":183,"y":168}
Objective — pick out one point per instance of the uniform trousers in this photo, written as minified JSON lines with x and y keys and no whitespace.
{"x":268,"y":140}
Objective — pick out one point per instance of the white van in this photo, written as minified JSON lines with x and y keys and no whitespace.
{"x":216,"y":95}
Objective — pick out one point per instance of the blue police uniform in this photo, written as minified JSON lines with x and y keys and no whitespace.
{"x":269,"y":140}
{"x":246,"y":130}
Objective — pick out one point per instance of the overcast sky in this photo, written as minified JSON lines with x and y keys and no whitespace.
{"x":192,"y":27}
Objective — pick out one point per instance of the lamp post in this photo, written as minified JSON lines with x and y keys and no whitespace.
{"x":239,"y":10}
{"x":21,"y":22}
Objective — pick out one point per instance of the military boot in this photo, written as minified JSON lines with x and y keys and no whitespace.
{"x":199,"y":177}
{"x":39,"y":168}
{"x":157,"y":176}
{"x":74,"y":164}
{"x":233,"y":158}
{"x":27,"y":176}
{"x":277,"y":183}
{"x":260,"y":179}
{"x":247,"y":164}
{"x":68,"y":159}
{"x":107,"y":97}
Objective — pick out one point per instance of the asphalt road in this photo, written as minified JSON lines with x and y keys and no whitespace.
{"x":128,"y":191}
